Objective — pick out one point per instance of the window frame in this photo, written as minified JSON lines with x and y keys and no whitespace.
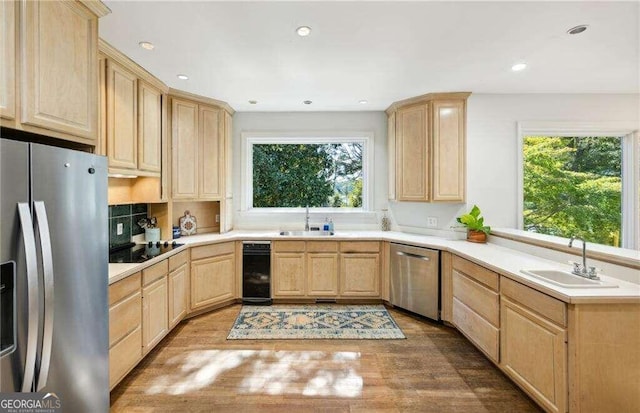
{"x":249,"y":139}
{"x":630,"y":166}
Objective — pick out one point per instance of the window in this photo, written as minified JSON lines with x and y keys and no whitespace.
{"x":573,"y":186}
{"x":581,"y":184}
{"x":321,"y":172}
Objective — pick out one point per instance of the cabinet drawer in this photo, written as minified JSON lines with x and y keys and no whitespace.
{"x":477,"y":329}
{"x":549,"y":307}
{"x":124,"y":288}
{"x":476,"y":272}
{"x":177,"y":260}
{"x":359,"y":246}
{"x":477,"y":297}
{"x":288,"y":246}
{"x":150,"y":274}
{"x":124,"y":317}
{"x":322,"y":246}
{"x":124,"y":355}
{"x":207,"y":251}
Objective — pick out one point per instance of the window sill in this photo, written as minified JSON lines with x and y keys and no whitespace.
{"x":618,"y":256}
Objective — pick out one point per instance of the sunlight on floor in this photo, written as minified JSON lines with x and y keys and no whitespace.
{"x":308,"y":373}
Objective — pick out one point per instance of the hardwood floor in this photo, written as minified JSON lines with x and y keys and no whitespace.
{"x":195,"y":369}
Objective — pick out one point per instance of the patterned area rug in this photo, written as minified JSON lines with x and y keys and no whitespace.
{"x":317,"y":321}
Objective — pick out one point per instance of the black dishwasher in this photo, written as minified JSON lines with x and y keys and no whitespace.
{"x":256,"y":272}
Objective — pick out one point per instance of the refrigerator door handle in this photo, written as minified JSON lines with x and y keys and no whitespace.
{"x":47,"y":265}
{"x":26,"y":224}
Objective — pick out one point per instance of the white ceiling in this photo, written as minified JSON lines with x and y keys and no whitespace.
{"x":377,"y":51}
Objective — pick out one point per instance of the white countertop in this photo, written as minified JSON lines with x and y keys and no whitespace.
{"x":502,"y":260}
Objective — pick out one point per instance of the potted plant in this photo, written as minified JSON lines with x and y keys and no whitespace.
{"x":476,"y":230}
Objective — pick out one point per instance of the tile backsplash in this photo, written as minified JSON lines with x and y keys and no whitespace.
{"x":128,"y":216}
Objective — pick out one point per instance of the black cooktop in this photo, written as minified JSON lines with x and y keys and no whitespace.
{"x":136,"y":253}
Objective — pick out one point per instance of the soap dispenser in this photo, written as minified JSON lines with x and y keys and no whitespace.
{"x":330,"y":225}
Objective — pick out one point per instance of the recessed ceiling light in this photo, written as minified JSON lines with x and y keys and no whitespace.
{"x":307,"y":102}
{"x":577,"y":29}
{"x":253,"y":102}
{"x":183,"y":77}
{"x":519,"y":66}
{"x":363,"y":102}
{"x":303,"y":31}
{"x":147,"y":45}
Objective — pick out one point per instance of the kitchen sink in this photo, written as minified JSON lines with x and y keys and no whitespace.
{"x":566,"y":279}
{"x":307,"y":233}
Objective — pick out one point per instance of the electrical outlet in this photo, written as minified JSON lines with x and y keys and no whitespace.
{"x":217,"y":218}
{"x":432,"y":222}
{"x":119,"y":228}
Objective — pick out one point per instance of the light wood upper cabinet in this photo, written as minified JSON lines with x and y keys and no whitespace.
{"x":149,"y":127}
{"x":184,"y":144}
{"x":211,"y":154}
{"x":412,"y":154}
{"x":59,"y":79}
{"x":8,"y":59}
{"x":199,"y":145}
{"x":448,"y":148}
{"x":122,"y":131}
{"x":429,"y":137}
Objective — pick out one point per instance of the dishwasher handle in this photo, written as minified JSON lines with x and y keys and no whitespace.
{"x":410,"y":255}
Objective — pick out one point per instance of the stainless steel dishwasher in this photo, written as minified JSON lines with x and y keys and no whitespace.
{"x":415,"y":280}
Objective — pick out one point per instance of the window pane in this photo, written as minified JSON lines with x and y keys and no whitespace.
{"x":573,"y":186}
{"x":317,"y":175}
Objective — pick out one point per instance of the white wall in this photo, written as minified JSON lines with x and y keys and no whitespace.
{"x":375,"y":122}
{"x":491,"y":152}
{"x":492,"y":149}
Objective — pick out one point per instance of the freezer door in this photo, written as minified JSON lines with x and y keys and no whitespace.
{"x":14,"y":191}
{"x":69,"y":190}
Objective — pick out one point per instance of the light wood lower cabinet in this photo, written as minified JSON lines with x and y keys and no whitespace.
{"x":289,"y":274}
{"x":125,"y":327}
{"x":178,"y":287}
{"x":155,"y":320}
{"x":360,"y":275}
{"x":326,"y":269}
{"x":213,"y":279}
{"x":322,"y":274}
{"x":476,"y":305}
{"x":534,"y":355}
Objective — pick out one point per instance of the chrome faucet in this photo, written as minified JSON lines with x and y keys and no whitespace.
{"x":581,"y":270}
{"x":306,"y":220}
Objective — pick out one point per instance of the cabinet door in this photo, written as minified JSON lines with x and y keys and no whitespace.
{"x":288,"y":274}
{"x":155,"y":319}
{"x":322,"y":274}
{"x":228,"y":155}
{"x":391,"y":155}
{"x":177,"y":295}
{"x":448,"y":149}
{"x":212,"y":281}
{"x":149,"y":128}
{"x":211,"y":152}
{"x":122,"y":133}
{"x":184,"y":144}
{"x":8,"y":59}
{"x":59,"y":71}
{"x":534,"y":355}
{"x":412,"y":151}
{"x":360,"y":275}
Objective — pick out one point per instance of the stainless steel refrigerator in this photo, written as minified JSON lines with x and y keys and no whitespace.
{"x":54,"y":279}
